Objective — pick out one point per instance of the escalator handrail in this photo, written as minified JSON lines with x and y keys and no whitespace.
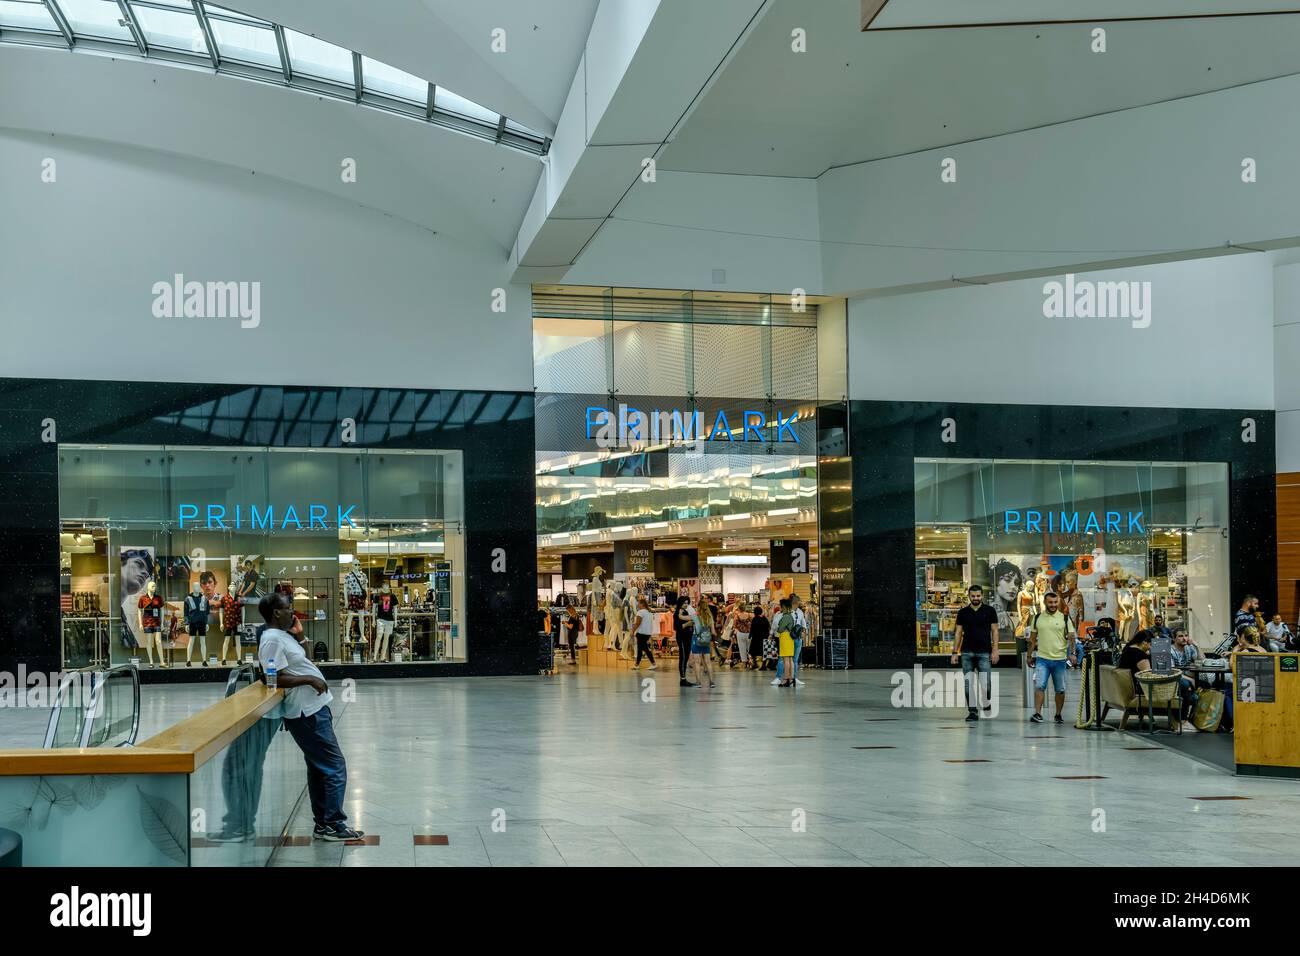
{"x":98,"y":679}
{"x":97,"y":692}
{"x":232,"y":682}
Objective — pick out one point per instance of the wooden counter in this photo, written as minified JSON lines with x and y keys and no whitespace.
{"x":182,"y":748}
{"x":1266,"y":734}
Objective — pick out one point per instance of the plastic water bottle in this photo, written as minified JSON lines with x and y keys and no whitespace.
{"x":270,"y":674}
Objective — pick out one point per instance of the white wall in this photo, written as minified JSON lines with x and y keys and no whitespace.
{"x":1207,"y":344}
{"x":349,"y":296}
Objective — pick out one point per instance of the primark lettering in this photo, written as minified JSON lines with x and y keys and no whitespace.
{"x":220,"y":518}
{"x":632,"y":425}
{"x":1073,"y":522}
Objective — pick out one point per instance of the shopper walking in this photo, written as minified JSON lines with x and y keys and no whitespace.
{"x":572,"y":628}
{"x":759,"y":630}
{"x":785,"y":640}
{"x":740,"y":633}
{"x":306,"y":714}
{"x":976,"y":646}
{"x":645,"y":628}
{"x":684,"y":631}
{"x":702,"y":644}
{"x":799,"y":633}
{"x":1051,"y":645}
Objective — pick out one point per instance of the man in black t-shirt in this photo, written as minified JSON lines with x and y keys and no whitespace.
{"x":977,"y":648}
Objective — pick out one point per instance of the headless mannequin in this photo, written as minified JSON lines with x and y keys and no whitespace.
{"x":152,"y":628}
{"x":1026,"y":605}
{"x":383,"y":627}
{"x":1147,"y":605}
{"x":196,"y":622}
{"x":1040,"y":590}
{"x":231,"y":617}
{"x":1127,"y":612}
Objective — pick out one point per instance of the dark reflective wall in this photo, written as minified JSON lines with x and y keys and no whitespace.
{"x":887,"y":437}
{"x":493,"y":429}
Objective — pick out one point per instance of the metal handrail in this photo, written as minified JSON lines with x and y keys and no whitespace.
{"x":98,"y":681}
{"x":254,"y":671}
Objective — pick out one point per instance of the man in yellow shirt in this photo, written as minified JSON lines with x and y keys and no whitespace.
{"x":1051,"y":643}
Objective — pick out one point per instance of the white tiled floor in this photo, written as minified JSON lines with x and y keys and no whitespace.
{"x":584,"y":771}
{"x":588,"y":773}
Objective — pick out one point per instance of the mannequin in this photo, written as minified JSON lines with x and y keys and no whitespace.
{"x":1026,"y":607}
{"x":1127,"y":604}
{"x":1040,"y":588}
{"x":196,"y":622}
{"x":624,"y":613}
{"x":598,"y":600}
{"x":355,"y":588}
{"x":149,"y":620}
{"x":612,"y":612}
{"x":385,"y":603}
{"x":232,"y":615}
{"x":1147,"y":605}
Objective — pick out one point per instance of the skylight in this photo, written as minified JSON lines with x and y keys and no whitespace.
{"x":197,"y":33}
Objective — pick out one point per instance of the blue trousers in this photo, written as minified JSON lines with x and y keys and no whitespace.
{"x":327,"y":771}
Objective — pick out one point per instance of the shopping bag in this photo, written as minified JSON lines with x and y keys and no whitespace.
{"x":1209,"y":711}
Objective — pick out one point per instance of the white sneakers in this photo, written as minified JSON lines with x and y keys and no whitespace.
{"x":1189,"y":727}
{"x":775,"y":681}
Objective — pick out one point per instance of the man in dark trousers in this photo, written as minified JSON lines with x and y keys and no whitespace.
{"x":977,"y":648}
{"x":308,"y":718}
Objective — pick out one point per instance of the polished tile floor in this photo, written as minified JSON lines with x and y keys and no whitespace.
{"x":580,"y":769}
{"x":588,"y":768}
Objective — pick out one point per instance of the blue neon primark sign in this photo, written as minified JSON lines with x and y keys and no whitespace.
{"x":1073,"y":522}
{"x":212,"y":517}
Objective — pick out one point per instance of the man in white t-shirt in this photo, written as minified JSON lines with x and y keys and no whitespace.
{"x":307,"y":717}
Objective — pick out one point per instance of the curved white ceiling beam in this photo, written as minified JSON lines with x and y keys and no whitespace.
{"x":449,"y":43}
{"x":445,"y":181}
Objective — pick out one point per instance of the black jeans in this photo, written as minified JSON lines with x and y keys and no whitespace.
{"x":683,"y":652}
{"x":643,"y":648}
{"x":327,"y":771}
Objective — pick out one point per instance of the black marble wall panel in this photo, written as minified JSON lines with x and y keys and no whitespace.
{"x":886,"y":437}
{"x":494,"y":430}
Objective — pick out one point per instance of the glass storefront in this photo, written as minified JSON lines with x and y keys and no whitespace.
{"x":1120,"y":540}
{"x":166,"y":550}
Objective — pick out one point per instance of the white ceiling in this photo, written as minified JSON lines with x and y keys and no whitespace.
{"x":857,"y":96}
{"x":902,"y":14}
{"x":449,"y":43}
{"x":453,"y":183}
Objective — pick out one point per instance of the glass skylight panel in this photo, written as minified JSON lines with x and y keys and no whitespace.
{"x":378,"y":77}
{"x":312,"y":57}
{"x":96,"y":18}
{"x":171,"y":24}
{"x":451,"y":103}
{"x":243,"y":38}
{"x":25,"y":15}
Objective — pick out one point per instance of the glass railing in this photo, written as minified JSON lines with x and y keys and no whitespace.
{"x":96,"y":708}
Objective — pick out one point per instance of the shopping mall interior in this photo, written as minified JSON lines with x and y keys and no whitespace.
{"x":399,"y":374}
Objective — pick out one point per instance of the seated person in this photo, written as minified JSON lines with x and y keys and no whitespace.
{"x":1278,"y":634}
{"x":1184,"y":654}
{"x":1136,"y":656}
{"x":1247,"y":643}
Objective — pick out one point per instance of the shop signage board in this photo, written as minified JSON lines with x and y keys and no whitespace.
{"x":634,"y":557}
{"x":268,"y":517}
{"x":1073,"y":522}
{"x":625,"y":425}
